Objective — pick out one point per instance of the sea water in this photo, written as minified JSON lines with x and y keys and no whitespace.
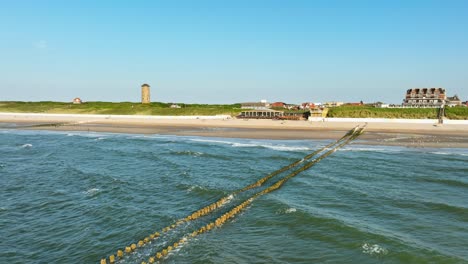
{"x":71,"y":197}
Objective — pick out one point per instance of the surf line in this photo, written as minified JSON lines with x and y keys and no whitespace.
{"x":224,"y":200}
{"x":242,"y":206}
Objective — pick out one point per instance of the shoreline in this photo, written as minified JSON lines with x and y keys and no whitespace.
{"x":379,"y":133}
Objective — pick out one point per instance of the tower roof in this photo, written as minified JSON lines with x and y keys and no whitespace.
{"x":145,"y":85}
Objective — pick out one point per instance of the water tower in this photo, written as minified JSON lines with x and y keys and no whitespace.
{"x":145,"y":94}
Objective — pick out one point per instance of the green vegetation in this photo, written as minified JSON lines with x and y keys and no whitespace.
{"x":129,"y":108}
{"x":123,"y":108}
{"x":373,"y":112}
{"x":458,"y":112}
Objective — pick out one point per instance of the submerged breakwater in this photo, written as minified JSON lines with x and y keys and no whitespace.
{"x":76,"y":197}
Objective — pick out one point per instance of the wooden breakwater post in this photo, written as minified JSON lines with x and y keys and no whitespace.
{"x":441,"y":114}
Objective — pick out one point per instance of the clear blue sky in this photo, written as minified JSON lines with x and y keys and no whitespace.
{"x":231,"y":51}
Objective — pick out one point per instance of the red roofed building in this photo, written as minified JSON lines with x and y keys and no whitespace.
{"x":278,"y":105}
{"x":307,"y":105}
{"x":355,"y":104}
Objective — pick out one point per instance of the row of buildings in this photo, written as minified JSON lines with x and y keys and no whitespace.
{"x":430,"y":97}
{"x":263,"y":104}
{"x":414,"y":98}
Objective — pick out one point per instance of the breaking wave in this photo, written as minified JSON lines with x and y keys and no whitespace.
{"x":373,"y":249}
{"x":92,"y":192}
{"x":254,"y":145}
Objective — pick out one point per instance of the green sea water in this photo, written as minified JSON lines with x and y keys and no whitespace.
{"x":78,"y":197}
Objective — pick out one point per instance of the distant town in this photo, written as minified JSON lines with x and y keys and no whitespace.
{"x":414,"y":98}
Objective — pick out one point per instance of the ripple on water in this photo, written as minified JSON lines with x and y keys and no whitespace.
{"x":92,"y":192}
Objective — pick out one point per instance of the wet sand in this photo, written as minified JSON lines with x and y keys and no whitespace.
{"x":396,"y":134}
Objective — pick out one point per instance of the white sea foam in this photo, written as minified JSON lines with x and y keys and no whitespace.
{"x":27,"y":146}
{"x":365,"y":149}
{"x":229,"y":199}
{"x":191,"y":188}
{"x":285,"y":148}
{"x":244,"y":145}
{"x":88,"y":134}
{"x":194,"y":187}
{"x":211,"y":141}
{"x":441,"y":153}
{"x":448,"y":153}
{"x":373,"y":249}
{"x":253,"y":145}
{"x":289,"y":210}
{"x":191,"y":153}
{"x":92,"y":191}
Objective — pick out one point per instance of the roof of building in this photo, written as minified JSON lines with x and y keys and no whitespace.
{"x":254,"y":103}
{"x":145,"y":85}
{"x":453,"y":98}
{"x":264,"y":110}
{"x":425,"y":90}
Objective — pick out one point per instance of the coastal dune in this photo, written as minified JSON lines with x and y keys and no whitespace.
{"x":416,"y":132}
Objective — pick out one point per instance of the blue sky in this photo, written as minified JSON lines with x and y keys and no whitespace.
{"x":231,"y":51}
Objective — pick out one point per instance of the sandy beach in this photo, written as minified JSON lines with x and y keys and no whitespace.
{"x":423,"y":133}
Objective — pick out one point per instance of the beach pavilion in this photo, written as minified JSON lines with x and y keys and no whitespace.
{"x":261,"y":114}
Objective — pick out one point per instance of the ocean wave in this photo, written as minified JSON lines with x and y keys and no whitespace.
{"x":211,"y":141}
{"x":26,"y":146}
{"x":448,"y":153}
{"x":228,"y":200}
{"x":87,"y":135}
{"x":374,"y":249}
{"x":456,"y":210}
{"x":253,"y":145}
{"x":449,"y":182}
{"x":289,"y":210}
{"x":92,"y":192}
{"x":398,"y":149}
{"x":188,"y":153}
{"x":285,"y":148}
{"x":196,"y":187}
{"x":368,"y":149}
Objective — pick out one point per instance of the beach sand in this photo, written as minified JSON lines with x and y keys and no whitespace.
{"x":391,"y":133}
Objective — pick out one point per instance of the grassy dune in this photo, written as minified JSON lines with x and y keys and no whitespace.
{"x":411,"y":113}
{"x":129,"y":108}
{"x":122,"y":108}
{"x":372,"y":112}
{"x":457,"y":113}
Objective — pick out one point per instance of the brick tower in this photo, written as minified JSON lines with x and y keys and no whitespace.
{"x":145,"y":94}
